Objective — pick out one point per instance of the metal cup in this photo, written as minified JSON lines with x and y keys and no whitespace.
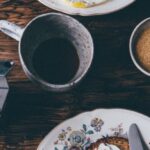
{"x":48,"y":26}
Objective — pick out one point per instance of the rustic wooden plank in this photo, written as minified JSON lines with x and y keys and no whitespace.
{"x":113,"y":81}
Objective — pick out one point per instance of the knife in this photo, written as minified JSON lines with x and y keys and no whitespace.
{"x":135,"y":141}
{"x":5,"y":67}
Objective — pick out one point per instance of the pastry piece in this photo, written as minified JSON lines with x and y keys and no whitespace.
{"x":115,"y":143}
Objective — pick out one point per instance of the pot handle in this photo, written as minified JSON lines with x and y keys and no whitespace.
{"x":11,"y":29}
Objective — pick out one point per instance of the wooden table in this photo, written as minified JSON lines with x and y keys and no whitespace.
{"x":113,"y":81}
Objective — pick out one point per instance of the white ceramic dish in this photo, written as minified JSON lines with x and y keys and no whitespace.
{"x":95,"y":125}
{"x":107,"y":8}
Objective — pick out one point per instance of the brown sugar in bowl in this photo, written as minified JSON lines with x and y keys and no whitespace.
{"x":143,"y":49}
{"x":139,"y":46}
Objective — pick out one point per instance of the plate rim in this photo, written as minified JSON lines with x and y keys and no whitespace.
{"x":86,"y":14}
{"x":129,"y":111}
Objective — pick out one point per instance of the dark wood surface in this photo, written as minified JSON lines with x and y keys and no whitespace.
{"x":113,"y":81}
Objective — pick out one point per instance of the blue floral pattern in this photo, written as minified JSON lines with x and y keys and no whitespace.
{"x":81,"y":139}
{"x":78,"y":140}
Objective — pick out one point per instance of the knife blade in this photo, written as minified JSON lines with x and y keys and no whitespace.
{"x":4,"y":88}
{"x":135,"y":141}
{"x":5,"y":67}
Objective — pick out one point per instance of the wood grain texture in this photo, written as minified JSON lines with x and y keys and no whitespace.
{"x":113,"y":80}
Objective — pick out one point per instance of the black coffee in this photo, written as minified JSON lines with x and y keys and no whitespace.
{"x":56,"y":60}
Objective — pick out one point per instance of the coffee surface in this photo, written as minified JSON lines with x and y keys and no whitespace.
{"x":56,"y":60}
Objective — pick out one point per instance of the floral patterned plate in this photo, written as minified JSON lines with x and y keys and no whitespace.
{"x":88,"y":127}
{"x":107,"y":8}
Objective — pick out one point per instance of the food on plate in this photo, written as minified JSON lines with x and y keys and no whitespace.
{"x":110,"y":143}
{"x":143,"y":49}
{"x":85,"y":3}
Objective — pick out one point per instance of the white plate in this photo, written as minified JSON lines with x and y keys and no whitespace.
{"x":113,"y":122}
{"x":108,"y":7}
